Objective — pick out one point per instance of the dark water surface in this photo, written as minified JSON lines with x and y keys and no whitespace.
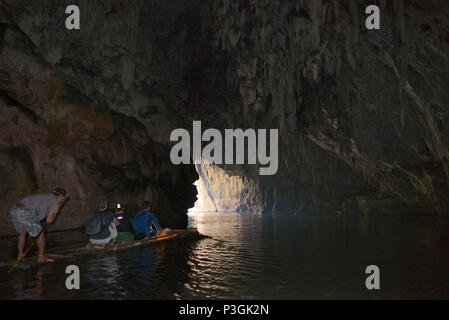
{"x":254,"y":257}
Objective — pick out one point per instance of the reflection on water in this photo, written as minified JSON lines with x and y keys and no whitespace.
{"x":255,"y":257}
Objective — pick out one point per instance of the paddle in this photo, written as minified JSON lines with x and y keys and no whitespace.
{"x":34,"y":241}
{"x":28,"y":249}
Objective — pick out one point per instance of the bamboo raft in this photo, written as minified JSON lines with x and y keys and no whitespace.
{"x":171,"y":235}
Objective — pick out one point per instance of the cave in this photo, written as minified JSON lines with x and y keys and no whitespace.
{"x":360,"y":114}
{"x":94,"y":108}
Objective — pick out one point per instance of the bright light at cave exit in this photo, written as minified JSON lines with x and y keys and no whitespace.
{"x":199,"y":203}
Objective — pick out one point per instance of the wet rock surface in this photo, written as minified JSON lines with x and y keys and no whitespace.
{"x":360,"y":112}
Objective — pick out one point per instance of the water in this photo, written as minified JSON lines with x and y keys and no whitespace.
{"x":255,"y":257}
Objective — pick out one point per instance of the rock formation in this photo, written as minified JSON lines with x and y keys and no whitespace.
{"x":91,"y":110}
{"x":362,"y":113}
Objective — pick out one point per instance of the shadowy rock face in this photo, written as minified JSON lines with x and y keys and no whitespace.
{"x":362,"y":113}
{"x":359,"y":111}
{"x":91,"y":110}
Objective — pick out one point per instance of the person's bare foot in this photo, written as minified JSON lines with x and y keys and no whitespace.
{"x":45,"y":260}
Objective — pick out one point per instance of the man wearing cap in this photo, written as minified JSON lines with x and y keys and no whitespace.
{"x":27,"y":214}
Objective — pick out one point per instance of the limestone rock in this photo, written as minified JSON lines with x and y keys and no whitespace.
{"x":360,"y":112}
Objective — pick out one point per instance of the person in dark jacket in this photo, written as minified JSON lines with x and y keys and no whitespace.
{"x":124,"y":228}
{"x":102,"y":225}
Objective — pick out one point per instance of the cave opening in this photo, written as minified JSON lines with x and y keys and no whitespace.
{"x":199,"y":202}
{"x":204,"y":198}
{"x":226,"y":189}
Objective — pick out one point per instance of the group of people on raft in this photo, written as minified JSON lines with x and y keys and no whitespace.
{"x":104,"y":227}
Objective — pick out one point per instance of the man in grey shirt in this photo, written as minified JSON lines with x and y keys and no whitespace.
{"x":28,"y":213}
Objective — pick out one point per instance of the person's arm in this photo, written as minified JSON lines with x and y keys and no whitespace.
{"x":112,"y":218}
{"x":155,"y":222}
{"x":159,"y":231}
{"x":51,"y":217}
{"x":109,"y":218}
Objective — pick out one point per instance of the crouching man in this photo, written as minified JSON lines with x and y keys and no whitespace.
{"x":101,"y":226}
{"x":27,"y":214}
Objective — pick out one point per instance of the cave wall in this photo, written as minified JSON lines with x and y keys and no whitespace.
{"x":91,"y":111}
{"x":361,"y":112}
